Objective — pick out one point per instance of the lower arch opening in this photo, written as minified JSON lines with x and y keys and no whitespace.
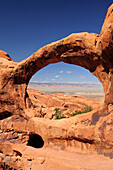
{"x":35,"y":141}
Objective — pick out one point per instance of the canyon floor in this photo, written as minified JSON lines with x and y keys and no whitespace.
{"x":55,"y":159}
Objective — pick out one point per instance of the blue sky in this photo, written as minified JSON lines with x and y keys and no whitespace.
{"x":27,"y":25}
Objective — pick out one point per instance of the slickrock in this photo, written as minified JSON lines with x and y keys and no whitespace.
{"x":31,"y":141}
{"x":67,"y":104}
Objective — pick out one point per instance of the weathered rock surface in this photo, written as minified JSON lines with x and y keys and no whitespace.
{"x":20,"y":124}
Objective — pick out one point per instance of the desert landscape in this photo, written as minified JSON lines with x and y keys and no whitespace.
{"x":66,"y":127}
{"x":91,"y":90}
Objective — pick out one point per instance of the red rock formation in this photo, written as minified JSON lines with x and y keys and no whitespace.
{"x":89,"y":50}
{"x":89,"y":132}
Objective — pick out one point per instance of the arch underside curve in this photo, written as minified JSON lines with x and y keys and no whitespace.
{"x":77,"y":49}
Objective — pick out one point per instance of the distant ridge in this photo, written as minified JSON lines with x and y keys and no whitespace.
{"x":69,"y":83}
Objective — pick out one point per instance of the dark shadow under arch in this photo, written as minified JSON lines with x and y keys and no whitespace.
{"x":35,"y":141}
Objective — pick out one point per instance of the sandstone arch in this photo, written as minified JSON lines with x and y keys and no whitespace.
{"x":89,"y":50}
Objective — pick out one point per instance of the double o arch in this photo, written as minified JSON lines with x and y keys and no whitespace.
{"x":89,"y":50}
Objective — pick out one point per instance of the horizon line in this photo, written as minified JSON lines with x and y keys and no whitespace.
{"x":42,"y":82}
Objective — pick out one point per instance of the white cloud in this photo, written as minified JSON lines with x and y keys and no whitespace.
{"x":53,"y":79}
{"x":44,"y":81}
{"x":57,"y":76}
{"x":68,"y":72}
{"x":61,"y":71}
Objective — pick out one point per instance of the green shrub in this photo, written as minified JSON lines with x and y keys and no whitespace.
{"x":42,"y":106}
{"x":34,"y":106}
{"x":86,"y":109}
{"x":76,"y":113}
{"x":57,"y":110}
{"x":59,"y":114}
{"x":62,"y":116}
{"x":83,"y":110}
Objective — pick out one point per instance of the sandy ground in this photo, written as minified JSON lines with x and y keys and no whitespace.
{"x":52,"y":159}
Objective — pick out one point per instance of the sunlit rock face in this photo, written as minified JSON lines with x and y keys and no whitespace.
{"x":18,"y":118}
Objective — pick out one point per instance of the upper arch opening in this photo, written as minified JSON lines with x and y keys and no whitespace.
{"x":67,"y":79}
{"x":70,"y":88}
